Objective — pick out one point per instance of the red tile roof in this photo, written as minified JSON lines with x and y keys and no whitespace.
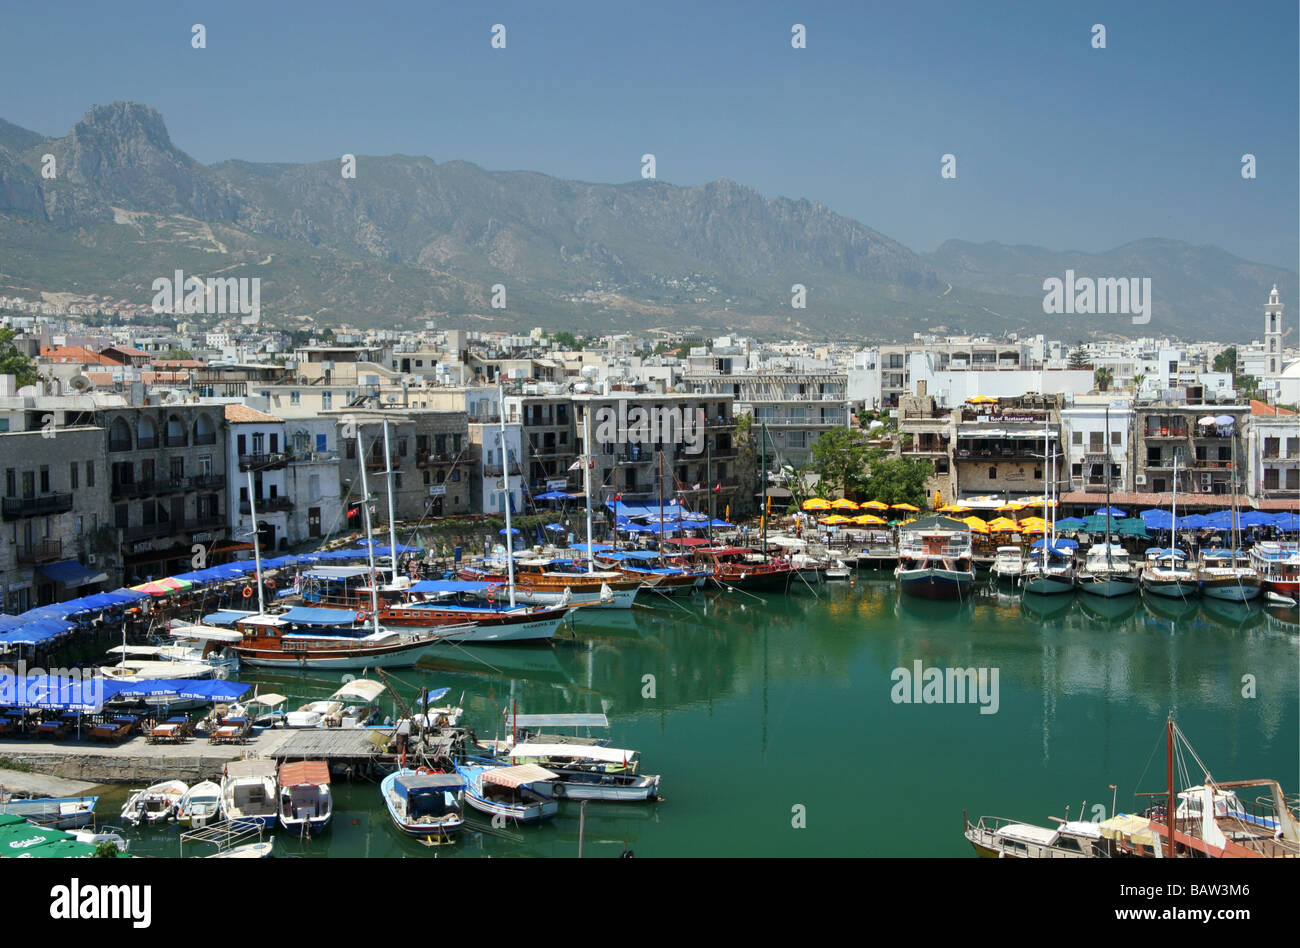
{"x":242,"y":414}
{"x":1264,"y":408}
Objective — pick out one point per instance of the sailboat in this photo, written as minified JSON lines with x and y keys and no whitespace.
{"x":1166,"y":572}
{"x":1050,"y":568}
{"x":1106,"y":570}
{"x":1227,"y":574}
{"x":271,"y":641}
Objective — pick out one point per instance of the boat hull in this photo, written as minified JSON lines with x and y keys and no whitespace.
{"x":400,"y":656}
{"x":930,"y":583}
{"x":55,"y":812}
{"x":620,"y":598}
{"x":1048,"y":585}
{"x":1108,"y":587}
{"x":1171,"y":588}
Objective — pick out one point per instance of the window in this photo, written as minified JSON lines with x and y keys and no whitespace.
{"x":1096,"y":441}
{"x":79,"y":525}
{"x":205,"y":465}
{"x":11,"y":482}
{"x":45,"y":478}
{"x":993,"y":473}
{"x":295,"y":397}
{"x":351,"y":450}
{"x":1076,"y":437}
{"x":1115,"y":438}
{"x":241,"y":445}
{"x":275,"y":443}
{"x":327,"y":401}
{"x":90,"y":473}
{"x":72,"y":477}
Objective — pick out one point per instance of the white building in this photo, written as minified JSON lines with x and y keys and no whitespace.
{"x":255,"y":447}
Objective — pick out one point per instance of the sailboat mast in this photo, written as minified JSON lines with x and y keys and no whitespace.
{"x":1106,"y":474}
{"x":762,"y":473}
{"x":1169,"y":779}
{"x":392,"y":520}
{"x":370,"y":542}
{"x":505,"y":496}
{"x":1173,"y":510}
{"x":586,"y":481}
{"x":257,"y":547}
{"x":661,"y":503}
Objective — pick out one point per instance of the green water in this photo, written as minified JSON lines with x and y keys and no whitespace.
{"x":765,"y":704}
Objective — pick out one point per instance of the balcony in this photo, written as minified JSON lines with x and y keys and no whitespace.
{"x":45,"y":551}
{"x":494,"y":470}
{"x":313,"y":457}
{"x":262,"y":462}
{"x":146,"y":443}
{"x":208,"y":482}
{"x":275,"y":504}
{"x":176,"y":441}
{"x":147,"y":531}
{"x":202,"y":439}
{"x":377,"y":465}
{"x":434,"y":458}
{"x":151,"y":487}
{"x":15,"y":508}
{"x":119,"y":444}
{"x":719,"y":423}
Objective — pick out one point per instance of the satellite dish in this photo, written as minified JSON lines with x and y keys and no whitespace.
{"x":79,"y":383}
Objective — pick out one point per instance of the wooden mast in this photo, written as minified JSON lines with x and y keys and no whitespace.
{"x":1169,"y":777}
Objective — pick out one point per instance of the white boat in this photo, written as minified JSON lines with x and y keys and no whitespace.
{"x":351,"y":706}
{"x":248,"y":793}
{"x":590,"y":772}
{"x":1008,"y":565}
{"x":1227,"y":575}
{"x":200,"y":805}
{"x":838,"y":572}
{"x":306,"y":804}
{"x":521,"y":794}
{"x":1108,"y":572}
{"x":101,"y":835}
{"x":54,"y":812}
{"x":934,"y":559}
{"x":247,"y":851}
{"x":444,"y":715}
{"x":1167,"y":574}
{"x":155,"y":804}
{"x":424,"y":804}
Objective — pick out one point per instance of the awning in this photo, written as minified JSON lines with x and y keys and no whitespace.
{"x":301,"y":772}
{"x":71,"y":573}
{"x":305,"y":615}
{"x":560,"y":720}
{"x":361,"y":689}
{"x":614,"y":755}
{"x":519,"y":776}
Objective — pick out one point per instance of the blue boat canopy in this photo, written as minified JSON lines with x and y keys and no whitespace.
{"x":305,"y":615}
{"x":443,"y":586}
{"x":71,"y":573}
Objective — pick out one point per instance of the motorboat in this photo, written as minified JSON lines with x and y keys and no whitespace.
{"x":155,"y":804}
{"x":200,"y":805}
{"x":521,"y":794}
{"x":248,"y":793}
{"x":424,"y":803}
{"x":306,"y":804}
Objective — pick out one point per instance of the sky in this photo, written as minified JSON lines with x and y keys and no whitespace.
{"x":1057,"y":143}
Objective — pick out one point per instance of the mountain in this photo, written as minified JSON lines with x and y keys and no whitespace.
{"x":408,"y":238}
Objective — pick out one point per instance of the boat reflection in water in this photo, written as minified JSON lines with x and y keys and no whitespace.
{"x":1046,"y":607}
{"x":1114,"y":609}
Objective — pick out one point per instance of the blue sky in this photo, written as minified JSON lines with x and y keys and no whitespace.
{"x":1057,"y":143}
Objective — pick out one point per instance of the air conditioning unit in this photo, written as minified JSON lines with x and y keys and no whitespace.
{"x":1140,"y":480}
{"x":1206,"y":482}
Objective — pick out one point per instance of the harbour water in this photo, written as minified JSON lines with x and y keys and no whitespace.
{"x":762,"y":712}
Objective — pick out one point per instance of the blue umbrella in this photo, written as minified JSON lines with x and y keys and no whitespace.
{"x":555,"y":526}
{"x":502,"y":531}
{"x":1112,"y":511}
{"x":1286,"y":521}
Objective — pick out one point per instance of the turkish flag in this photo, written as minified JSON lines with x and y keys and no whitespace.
{"x":717,"y":487}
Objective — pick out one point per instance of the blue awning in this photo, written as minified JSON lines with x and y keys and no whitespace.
{"x":450,"y":586}
{"x":226,"y":616}
{"x":305,"y":615}
{"x":71,"y":573}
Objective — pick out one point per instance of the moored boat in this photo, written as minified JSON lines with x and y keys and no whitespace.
{"x":154,"y":804}
{"x":1108,"y":572}
{"x":424,"y":803}
{"x":200,"y":805}
{"x":934,"y":559}
{"x":306,"y":803}
{"x":1167,"y":574}
{"x":521,"y":794}
{"x":248,"y":793}
{"x":1227,"y":575}
{"x":56,"y":812}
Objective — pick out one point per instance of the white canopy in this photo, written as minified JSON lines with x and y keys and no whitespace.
{"x":362,"y":689}
{"x":584,"y":751}
{"x":210,"y":632}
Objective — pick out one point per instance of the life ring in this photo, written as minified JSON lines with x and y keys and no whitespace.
{"x":248,"y":592}
{"x":558,"y":791}
{"x":361,"y":617}
{"x":270,"y":583}
{"x":491,"y":596}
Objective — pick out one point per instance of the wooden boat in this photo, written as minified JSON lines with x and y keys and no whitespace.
{"x":1000,"y":838}
{"x":1278,"y":566}
{"x":270,"y":642}
{"x":739,"y":567}
{"x":590,"y":772}
{"x":521,"y":794}
{"x":56,"y":812}
{"x":1227,"y":575}
{"x":554,"y":581}
{"x":155,"y":804}
{"x":934,"y":559}
{"x":248,"y":793}
{"x":200,"y":805}
{"x":306,"y":804}
{"x":1166,"y":574}
{"x":1108,"y":572}
{"x":424,"y":803}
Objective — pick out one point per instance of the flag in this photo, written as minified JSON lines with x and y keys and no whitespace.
{"x":696,"y":487}
{"x":717,"y":487}
{"x":617,"y":497}
{"x":576,"y":465}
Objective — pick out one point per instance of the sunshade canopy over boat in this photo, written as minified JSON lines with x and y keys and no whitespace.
{"x":560,"y":720}
{"x":614,"y":755}
{"x":300,"y":772}
{"x":361,"y":688}
{"x":251,"y":767}
{"x":417,"y":783}
{"x":518,"y":776}
{"x":206,"y":632}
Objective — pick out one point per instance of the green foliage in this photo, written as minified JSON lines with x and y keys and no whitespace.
{"x":1078,"y":357}
{"x":13,"y":362}
{"x":172,"y":355}
{"x":1103,"y":378}
{"x":839,"y":457}
{"x":1226,"y":361}
{"x":566,"y":340}
{"x":106,"y":850}
{"x":897,"y":480}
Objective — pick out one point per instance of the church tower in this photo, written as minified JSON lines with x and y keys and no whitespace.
{"x":1273,"y":333}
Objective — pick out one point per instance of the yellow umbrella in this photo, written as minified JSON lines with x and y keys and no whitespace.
{"x":816,"y":503}
{"x":1033,"y":528}
{"x":868,"y":520}
{"x":844,"y":504}
{"x":834,"y":518}
{"x":953,"y":508}
{"x":873,"y":505}
{"x":976,"y":524}
{"x":981,"y":400}
{"x":938,"y":500}
{"x":907,"y":507}
{"x":1003,"y":524}
{"x":1013,"y":505}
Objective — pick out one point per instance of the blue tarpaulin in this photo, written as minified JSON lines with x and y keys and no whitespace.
{"x":71,"y":573}
{"x":438,"y":586}
{"x":305,"y":615}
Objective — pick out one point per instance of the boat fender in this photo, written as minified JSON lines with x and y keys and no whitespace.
{"x":361,"y":617}
{"x":270,"y":583}
{"x":248,"y":592}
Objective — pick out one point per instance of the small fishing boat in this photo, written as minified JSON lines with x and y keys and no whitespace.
{"x":100,"y":835}
{"x":154,"y":804}
{"x":838,"y":572}
{"x":1108,"y":572}
{"x":247,"y":851}
{"x":589,"y":772}
{"x":1167,"y":574}
{"x":521,"y":794}
{"x":200,"y":805}
{"x":55,"y":812}
{"x":248,"y":793}
{"x":424,"y":803}
{"x":1050,"y":568}
{"x":305,"y":801}
{"x":1278,"y":566}
{"x":353,"y":705}
{"x":1001,"y":838}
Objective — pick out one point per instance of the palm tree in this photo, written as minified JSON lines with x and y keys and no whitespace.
{"x":1102,"y":378}
{"x":1137,"y":381}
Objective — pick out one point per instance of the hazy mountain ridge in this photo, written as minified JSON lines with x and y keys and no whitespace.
{"x":409,"y":237}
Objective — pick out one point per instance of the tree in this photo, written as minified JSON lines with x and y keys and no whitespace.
{"x":839,"y":458}
{"x":1137,"y":381}
{"x":1103,"y":378}
{"x":566,"y":340}
{"x":897,"y":480}
{"x":172,"y":355}
{"x":1078,"y":357}
{"x":1226,"y":361}
{"x":13,"y":362}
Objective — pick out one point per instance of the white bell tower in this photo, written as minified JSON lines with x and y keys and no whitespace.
{"x":1273,"y":333}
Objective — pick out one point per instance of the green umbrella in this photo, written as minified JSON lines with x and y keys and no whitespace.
{"x":61,"y":849}
{"x":1133,"y":527}
{"x":20,"y":838}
